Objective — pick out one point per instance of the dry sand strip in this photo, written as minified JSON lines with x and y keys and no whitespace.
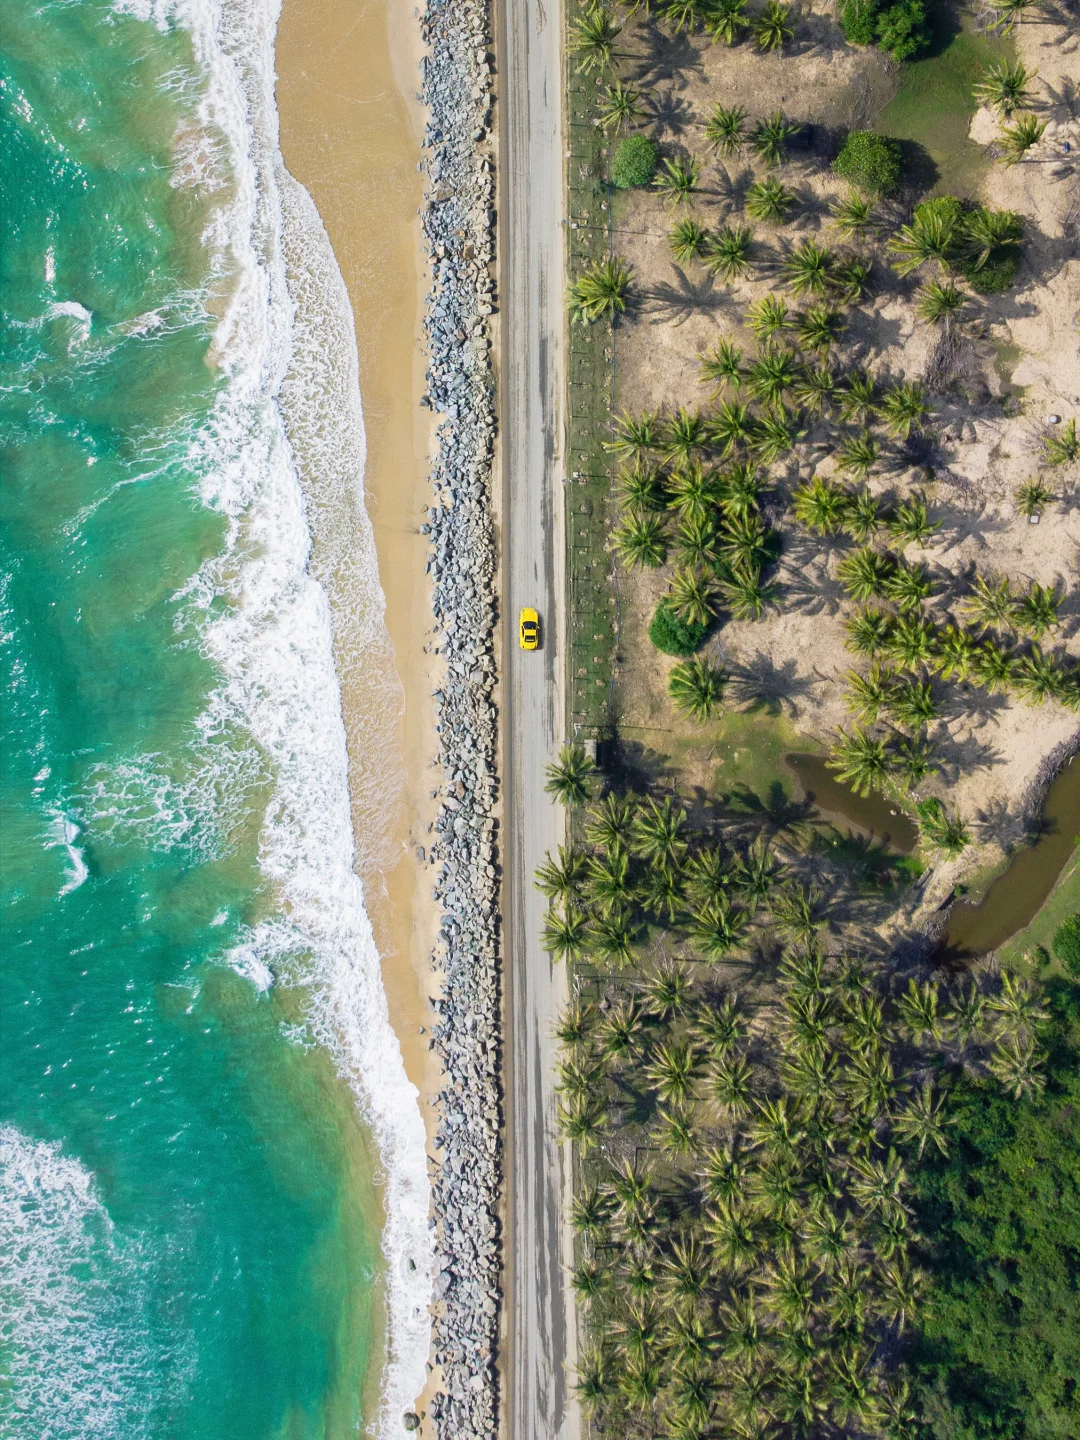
{"x":539,"y":1401}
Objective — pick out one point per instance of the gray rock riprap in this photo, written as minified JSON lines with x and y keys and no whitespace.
{"x":458,"y":222}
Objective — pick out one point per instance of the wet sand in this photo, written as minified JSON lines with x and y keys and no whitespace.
{"x":350,"y":133}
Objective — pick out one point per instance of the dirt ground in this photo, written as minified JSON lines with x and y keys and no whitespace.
{"x":1016,"y":364}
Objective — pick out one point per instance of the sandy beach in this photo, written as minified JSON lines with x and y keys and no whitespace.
{"x":350,"y":133}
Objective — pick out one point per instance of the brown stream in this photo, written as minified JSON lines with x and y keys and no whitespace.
{"x":871,"y":815}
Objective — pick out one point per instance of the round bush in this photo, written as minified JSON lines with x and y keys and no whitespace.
{"x":1066,"y":944}
{"x":672,"y":635}
{"x":859,"y":21}
{"x":870,"y":161}
{"x":996,"y":276}
{"x":902,"y":30}
{"x":634,"y":163}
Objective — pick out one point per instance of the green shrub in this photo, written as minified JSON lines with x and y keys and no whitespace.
{"x":946,"y":208}
{"x":672,"y":635}
{"x":634,"y":163}
{"x":1066,"y":944}
{"x":902,"y":30}
{"x":870,"y":161}
{"x":858,"y":17}
{"x":996,"y":276}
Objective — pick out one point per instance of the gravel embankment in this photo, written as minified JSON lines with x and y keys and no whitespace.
{"x":458,"y":222}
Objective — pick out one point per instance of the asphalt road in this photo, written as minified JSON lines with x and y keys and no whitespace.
{"x":538,"y":1400}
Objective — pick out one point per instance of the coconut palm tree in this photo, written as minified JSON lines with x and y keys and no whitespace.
{"x":853,"y":215}
{"x":716,"y":927}
{"x":991,"y":604}
{"x":1032,"y":497}
{"x":869,"y":694}
{"x":697,"y":688}
{"x":660,"y":832}
{"x":989,"y":232}
{"x":634,"y":434}
{"x":768,"y":200}
{"x":641,"y":541}
{"x":727,"y":253}
{"x":808,"y":268}
{"x":852,"y":280}
{"x":619,"y":1033}
{"x":672,"y":1070}
{"x":561,"y":879}
{"x":868,"y":631}
{"x":1018,"y":1006}
{"x":612,"y":939}
{"x":698,"y":541}
{"x":746,"y":543}
{"x":795,"y":912}
{"x":1004,"y":87}
{"x":771,"y":29}
{"x":923,"y":1121}
{"x":722,"y":366}
{"x":731,"y":424}
{"x":860,"y":399}
{"x":903,"y":408}
{"x":771,"y":374}
{"x":940,"y":830}
{"x":940,"y":302}
{"x":577,"y":1077}
{"x":769,"y":138}
{"x":565,"y":934}
{"x":820,"y":505}
{"x":693,"y":493}
{"x":684,"y":433}
{"x":859,"y":760}
{"x":756,"y":873}
{"x":745,"y":595}
{"x":912,"y":761}
{"x":707,"y":874}
{"x":865,"y":573}
{"x":609,"y":886}
{"x":908,"y":586}
{"x":584,"y":1122}
{"x":911,"y":641}
{"x":969,"y":1013}
{"x":912,"y":704}
{"x":593,"y":1384}
{"x":661,"y":891}
{"x":641,"y":489}
{"x":880,"y":1186}
{"x":1062,"y":449}
{"x":677,"y":180}
{"x":1016,"y":1064}
{"x":864,"y":516}
{"x":600,"y":291}
{"x":819,"y":328}
{"x":592,"y":39}
{"x":993,"y":666}
{"x":1037,"y":611}
{"x":930,"y":236}
{"x":857,"y":455}
{"x":732,"y":1081}
{"x":620,"y":109}
{"x":767,"y":317}
{"x":910,"y":523}
{"x":741,"y":487}
{"x":575,"y":1024}
{"x":611,"y":822}
{"x":953,"y":653}
{"x":724,"y":128}
{"x":590,"y":1281}
{"x":816,"y":389}
{"x":687,"y":241}
{"x":720,"y":1027}
{"x":1006,"y":13}
{"x":693,"y":596}
{"x":667,"y":991}
{"x":570,"y":778}
{"x":1038,"y":677}
{"x":1020,"y":137}
{"x":774,"y":435}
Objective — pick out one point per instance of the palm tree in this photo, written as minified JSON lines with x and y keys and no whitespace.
{"x":726,"y":20}
{"x":732,"y":1080}
{"x":620,"y":108}
{"x":590,"y":1281}
{"x":741,"y":487}
{"x":693,"y":493}
{"x":879,"y":1186}
{"x":731,"y":425}
{"x":641,"y":488}
{"x":911,"y":641}
{"x":766,"y":317}
{"x":570,"y":778}
{"x":1019,"y":1006}
{"x":583,"y":1122}
{"x":1038,"y":677}
{"x":716,"y":927}
{"x":724,"y":127}
{"x":871,"y":693}
{"x":774,"y":435}
{"x":757,"y":872}
{"x":853,"y":215}
{"x":746,"y":596}
{"x":864,"y":516}
{"x":593,"y":37}
{"x":865,"y":573}
{"x":667,"y":991}
{"x":1062,"y":449}
{"x":672,"y":1070}
{"x":940,"y":830}
{"x":1037,"y":611}
{"x":992,"y":666}
{"x":769,"y":200}
{"x":772,"y":30}
{"x":770,"y":138}
{"x":687,"y":241}
{"x":989,"y":232}
{"x":859,"y":760}
{"x":678,"y":180}
{"x":930,"y":236}
{"x":908,"y":586}
{"x":620,"y":1031}
{"x":609,"y":886}
{"x":911,"y":762}
{"x":940,"y":303}
{"x":600,"y":290}
{"x":561,"y":879}
{"x":820,"y":506}
{"x":611,"y":822}
{"x":852,"y":280}
{"x":708,"y":873}
{"x":808,"y":268}
{"x":1016,"y":1064}
{"x":634,"y":434}
{"x":693,"y":596}
{"x":953,"y":653}
{"x":904,"y":408}
{"x":1004,"y":87}
{"x":722,"y":365}
{"x":969,"y":1013}
{"x":1019,"y":138}
{"x":612,"y":939}
{"x":857,"y":455}
{"x":991,"y":603}
{"x":910,"y":522}
{"x":697,"y":688}
{"x":727,"y":253}
{"x":816,"y":389}
{"x":661,"y":891}
{"x":659,"y":832}
{"x":1032,"y":497}
{"x":819,"y":328}
{"x":912,"y":704}
{"x":746,"y":543}
{"x":680,"y":14}
{"x":565,"y":934}
{"x":593,"y":1383}
{"x":795,"y":911}
{"x":698,"y":541}
{"x":684,"y":433}
{"x":1006,"y":13}
{"x":642,"y":541}
{"x":771,"y":374}
{"x":860,"y":402}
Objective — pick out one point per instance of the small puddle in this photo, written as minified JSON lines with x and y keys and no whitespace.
{"x":1016,"y":896}
{"x":873,"y":816}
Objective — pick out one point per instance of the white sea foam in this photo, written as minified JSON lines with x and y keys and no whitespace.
{"x":286,"y":346}
{"x":64,"y":831}
{"x":78,"y":1359}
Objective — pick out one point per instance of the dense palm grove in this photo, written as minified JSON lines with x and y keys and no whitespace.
{"x":745,"y":1105}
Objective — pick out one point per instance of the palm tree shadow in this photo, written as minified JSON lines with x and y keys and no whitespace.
{"x":671,"y":114}
{"x":667,"y":59}
{"x":775,"y":813}
{"x":759,"y":683}
{"x":676,"y":303}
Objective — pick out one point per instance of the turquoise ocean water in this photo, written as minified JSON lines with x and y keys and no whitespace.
{"x":202,"y":1106}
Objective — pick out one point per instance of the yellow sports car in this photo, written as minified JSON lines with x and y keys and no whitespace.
{"x":529,"y":628}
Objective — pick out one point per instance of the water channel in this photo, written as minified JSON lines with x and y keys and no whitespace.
{"x":870,"y":815}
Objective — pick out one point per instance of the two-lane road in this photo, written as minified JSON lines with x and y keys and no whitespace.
{"x":538,"y":1402}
